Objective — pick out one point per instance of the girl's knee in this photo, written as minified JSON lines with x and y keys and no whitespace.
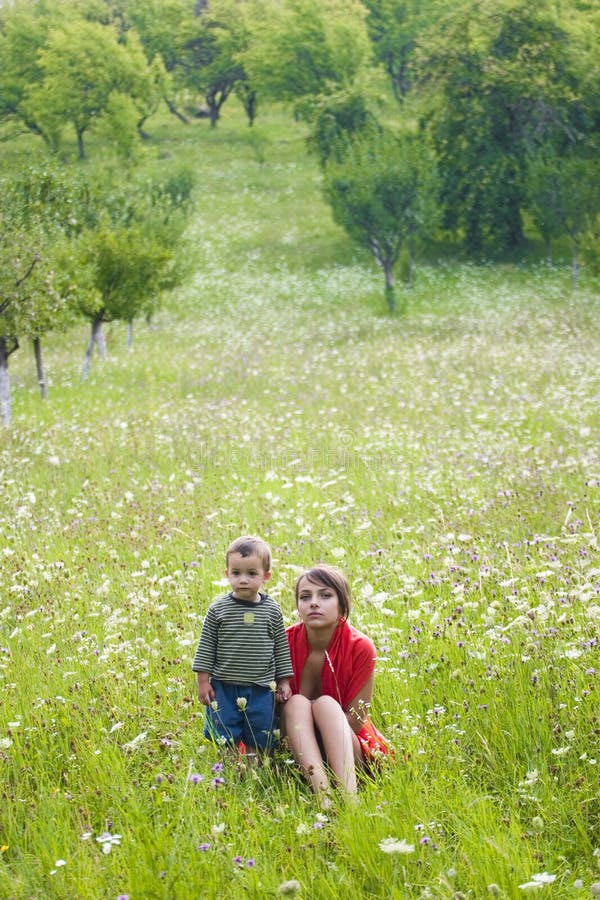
{"x":296,"y":709}
{"x":327,"y":705}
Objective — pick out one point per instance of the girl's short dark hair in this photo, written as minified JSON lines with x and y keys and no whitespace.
{"x":331,"y":577}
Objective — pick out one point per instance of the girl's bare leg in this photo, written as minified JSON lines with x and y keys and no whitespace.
{"x":338,"y":741}
{"x":299,"y":728}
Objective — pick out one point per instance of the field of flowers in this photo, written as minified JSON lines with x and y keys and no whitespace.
{"x":448,"y":459}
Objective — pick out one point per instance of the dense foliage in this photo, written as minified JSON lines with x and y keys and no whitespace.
{"x":475,"y":124}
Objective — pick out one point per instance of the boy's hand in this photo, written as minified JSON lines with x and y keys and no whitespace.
{"x":284,"y":691}
{"x":206,"y":693}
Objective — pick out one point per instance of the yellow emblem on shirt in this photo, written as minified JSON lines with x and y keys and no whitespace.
{"x":248,"y":618}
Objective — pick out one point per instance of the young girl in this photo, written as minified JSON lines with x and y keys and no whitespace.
{"x":326,"y":719}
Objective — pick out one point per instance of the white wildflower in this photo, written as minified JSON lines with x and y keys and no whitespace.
{"x":393,"y":845}
{"x":132,"y":745}
{"x":108,"y":841}
{"x":538,"y":882}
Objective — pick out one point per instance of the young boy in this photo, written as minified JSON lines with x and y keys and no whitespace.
{"x":243,"y":658}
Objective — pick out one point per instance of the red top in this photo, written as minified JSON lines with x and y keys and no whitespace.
{"x":349,"y":661}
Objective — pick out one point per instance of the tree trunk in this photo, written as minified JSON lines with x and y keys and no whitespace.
{"x":39,"y":365}
{"x":5,"y":405}
{"x":96,"y":337}
{"x":144,"y":136}
{"x":390,"y":288}
{"x":175,"y":112}
{"x":575,"y":268}
{"x":249,"y":101}
{"x":411,"y":265}
{"x":129,"y":335}
{"x":80,"y":147}
{"x":100,"y":339}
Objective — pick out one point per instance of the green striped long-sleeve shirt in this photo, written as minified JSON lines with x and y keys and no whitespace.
{"x":243,"y":642}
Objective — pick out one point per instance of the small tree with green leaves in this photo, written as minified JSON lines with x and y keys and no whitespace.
{"x":383,"y":194}
{"x":132,"y":253}
{"x":211,"y":63}
{"x":337,"y":119}
{"x":298,"y":49}
{"x":40,"y":283}
{"x":83,"y":67}
{"x":590,"y":247}
{"x":564,"y":196}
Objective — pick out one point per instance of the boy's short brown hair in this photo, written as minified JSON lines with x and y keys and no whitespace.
{"x":331,"y":577}
{"x":249,"y":545}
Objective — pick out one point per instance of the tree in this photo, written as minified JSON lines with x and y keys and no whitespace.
{"x":498,"y":79}
{"x":565,"y":199}
{"x":299,"y":49}
{"x":162,"y":26}
{"x":127,"y":275}
{"x":383,"y":194}
{"x":83,"y":67}
{"x":132,"y":253}
{"x":590,"y":247}
{"x":210,"y":64}
{"x":336,"y":120}
{"x":23,"y":33}
{"x":39,"y":285}
{"x":394,"y":27}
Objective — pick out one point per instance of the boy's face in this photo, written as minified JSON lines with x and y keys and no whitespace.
{"x":246,"y":576}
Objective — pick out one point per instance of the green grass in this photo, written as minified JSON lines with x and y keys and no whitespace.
{"x":447,"y":458}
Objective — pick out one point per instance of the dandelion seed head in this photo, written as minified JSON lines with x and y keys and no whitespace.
{"x":289,"y":887}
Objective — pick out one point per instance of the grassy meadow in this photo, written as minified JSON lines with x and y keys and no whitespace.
{"x":447,"y":458}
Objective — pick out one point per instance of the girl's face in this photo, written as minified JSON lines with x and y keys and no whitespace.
{"x":318,"y":604}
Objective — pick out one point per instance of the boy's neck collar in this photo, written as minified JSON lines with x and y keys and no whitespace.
{"x":259,"y":599}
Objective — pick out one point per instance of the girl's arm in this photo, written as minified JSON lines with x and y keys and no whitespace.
{"x":358,"y":708}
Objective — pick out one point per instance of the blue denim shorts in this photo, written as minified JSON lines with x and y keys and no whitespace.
{"x":254,"y":724}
